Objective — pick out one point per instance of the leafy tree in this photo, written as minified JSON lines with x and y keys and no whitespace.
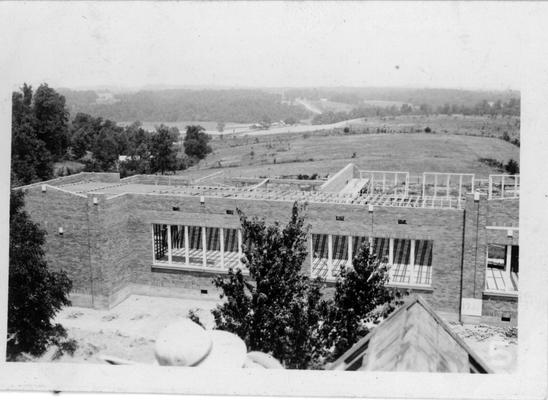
{"x":196,"y":142}
{"x":162,"y":149}
{"x":105,"y":149}
{"x":31,"y":161}
{"x":277,"y":309}
{"x":83,"y":130}
{"x":51,"y":120}
{"x":360,"y":299}
{"x":36,"y":294}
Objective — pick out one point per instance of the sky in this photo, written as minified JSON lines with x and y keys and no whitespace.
{"x":278,"y":44}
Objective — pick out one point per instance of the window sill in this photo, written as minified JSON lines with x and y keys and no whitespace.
{"x":184,"y":268}
{"x":500,"y":293}
{"x":426,"y":288}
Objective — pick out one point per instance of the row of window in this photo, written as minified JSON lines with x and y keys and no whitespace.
{"x":220,"y":248}
{"x":410,"y":260}
{"x":197,"y":247}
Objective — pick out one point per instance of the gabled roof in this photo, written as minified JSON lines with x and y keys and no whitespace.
{"x":413,"y":339}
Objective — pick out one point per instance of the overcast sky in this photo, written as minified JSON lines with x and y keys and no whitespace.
{"x":458,"y":45}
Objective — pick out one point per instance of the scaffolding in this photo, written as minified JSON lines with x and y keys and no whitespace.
{"x":448,"y":186}
{"x":393,"y":182}
{"x":503,"y":187}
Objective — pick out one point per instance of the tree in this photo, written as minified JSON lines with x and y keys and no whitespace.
{"x":360,"y":299}
{"x":105,"y":149}
{"x":163,"y":152}
{"x":83,"y":130}
{"x":196,"y":142}
{"x":31,"y":161}
{"x":220,"y":126}
{"x":512,"y":167}
{"x":35,"y":294}
{"x":277,"y":309}
{"x":51,"y":120}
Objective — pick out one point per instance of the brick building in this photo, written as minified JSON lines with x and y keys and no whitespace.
{"x":451,"y":238}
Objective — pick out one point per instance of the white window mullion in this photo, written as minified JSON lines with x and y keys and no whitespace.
{"x":169,"y":244}
{"x":311,"y":245}
{"x":390,"y":258}
{"x":412,"y":263}
{"x":329,"y":255}
{"x":204,"y":247}
{"x":350,"y":255}
{"x":187,"y":245}
{"x":508,"y":265}
{"x":222,"y":246}
{"x":153,"y":245}
{"x":391,"y":251}
{"x":240,"y":248}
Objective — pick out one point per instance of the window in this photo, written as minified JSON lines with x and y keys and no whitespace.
{"x":196,"y":247}
{"x":160,"y":243}
{"x":320,"y":255}
{"x":410,"y":262}
{"x":502,"y":268}
{"x":340,"y":254}
{"x":231,"y":248}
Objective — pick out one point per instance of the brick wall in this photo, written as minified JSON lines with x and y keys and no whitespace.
{"x":478,"y":216}
{"x":421,"y":224}
{"x":111,"y":242}
{"x":494,"y":307}
{"x":70,"y":252}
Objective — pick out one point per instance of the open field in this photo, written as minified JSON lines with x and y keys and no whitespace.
{"x":129,"y":331}
{"x":415,"y":153}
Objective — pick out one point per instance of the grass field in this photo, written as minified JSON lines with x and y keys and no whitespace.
{"x":415,"y":153}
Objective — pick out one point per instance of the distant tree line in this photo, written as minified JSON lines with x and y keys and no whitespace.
{"x":43,"y":134}
{"x":497,"y":108}
{"x":234,"y":105}
{"x":433,"y":97}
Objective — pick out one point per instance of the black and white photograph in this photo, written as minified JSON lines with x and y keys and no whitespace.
{"x":275,"y":198}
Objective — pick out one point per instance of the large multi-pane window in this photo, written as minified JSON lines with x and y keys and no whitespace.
{"x":409,"y":261}
{"x":502,"y":270}
{"x":196,"y":246}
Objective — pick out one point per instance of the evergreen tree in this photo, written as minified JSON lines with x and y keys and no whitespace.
{"x":360,"y":299}
{"x":512,"y":167}
{"x":277,"y":309}
{"x":36,"y":294}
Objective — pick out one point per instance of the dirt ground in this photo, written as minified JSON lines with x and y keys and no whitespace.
{"x":129,"y":330}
